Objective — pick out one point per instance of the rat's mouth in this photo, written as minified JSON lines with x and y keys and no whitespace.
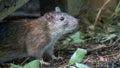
{"x":70,"y":29}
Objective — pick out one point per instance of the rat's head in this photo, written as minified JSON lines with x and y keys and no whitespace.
{"x":60,"y":22}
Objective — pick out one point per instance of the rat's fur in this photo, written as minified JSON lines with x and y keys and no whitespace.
{"x":33,"y":38}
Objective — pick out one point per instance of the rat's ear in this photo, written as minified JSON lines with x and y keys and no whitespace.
{"x":57,"y":9}
{"x":48,"y":17}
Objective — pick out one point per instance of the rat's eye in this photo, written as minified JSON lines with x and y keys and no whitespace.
{"x":62,"y":18}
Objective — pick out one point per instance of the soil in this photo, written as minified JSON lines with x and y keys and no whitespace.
{"x":104,"y":57}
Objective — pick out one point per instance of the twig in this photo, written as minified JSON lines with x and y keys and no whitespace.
{"x":25,"y":61}
{"x":86,"y":60}
{"x":118,"y":55}
{"x":99,"y":12}
{"x":96,"y":48}
{"x":115,"y":42}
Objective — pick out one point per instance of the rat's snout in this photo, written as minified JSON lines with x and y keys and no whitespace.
{"x":75,"y":22}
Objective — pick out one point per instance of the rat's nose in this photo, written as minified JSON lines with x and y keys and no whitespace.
{"x":75,"y":22}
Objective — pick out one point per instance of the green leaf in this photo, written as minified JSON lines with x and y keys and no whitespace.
{"x":109,"y":19}
{"x":33,"y":64}
{"x":67,"y":41}
{"x":109,"y":37}
{"x":76,"y":38}
{"x":78,"y":65}
{"x":114,"y":15}
{"x":78,"y":56}
{"x":15,"y":66}
{"x":77,"y":41}
{"x":76,"y":35}
{"x":118,"y":8}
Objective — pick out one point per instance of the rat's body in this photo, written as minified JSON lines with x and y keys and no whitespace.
{"x":21,"y":39}
{"x":33,"y":38}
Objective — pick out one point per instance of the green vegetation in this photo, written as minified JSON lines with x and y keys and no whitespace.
{"x":32,"y":64}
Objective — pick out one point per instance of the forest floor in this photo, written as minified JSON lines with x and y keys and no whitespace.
{"x":106,"y":57}
{"x":100,"y":55}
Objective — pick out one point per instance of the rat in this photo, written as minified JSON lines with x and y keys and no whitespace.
{"x":34,"y":37}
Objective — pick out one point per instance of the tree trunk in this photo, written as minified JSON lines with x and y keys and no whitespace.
{"x":9,"y":6}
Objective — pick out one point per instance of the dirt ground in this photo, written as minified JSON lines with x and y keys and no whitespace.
{"x":97,"y":57}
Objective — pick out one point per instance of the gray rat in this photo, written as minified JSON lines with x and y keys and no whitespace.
{"x":36,"y":37}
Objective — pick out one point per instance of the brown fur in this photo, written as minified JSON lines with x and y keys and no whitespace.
{"x":20,"y":39}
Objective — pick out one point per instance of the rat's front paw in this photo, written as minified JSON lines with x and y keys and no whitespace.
{"x":56,"y":58}
{"x":42,"y":62}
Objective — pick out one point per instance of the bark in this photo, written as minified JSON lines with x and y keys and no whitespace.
{"x":9,"y":6}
